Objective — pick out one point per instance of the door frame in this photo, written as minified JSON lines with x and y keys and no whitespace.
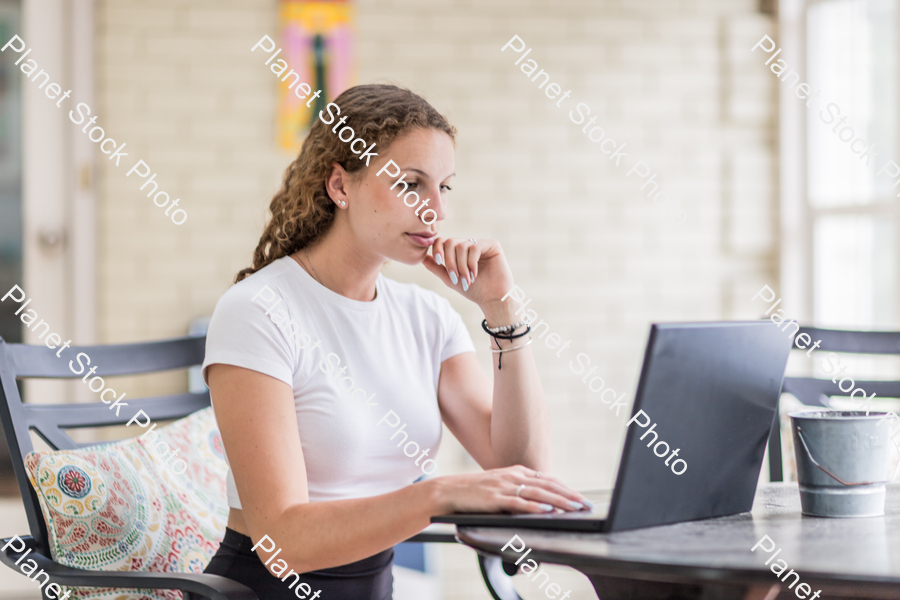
{"x":58,"y":183}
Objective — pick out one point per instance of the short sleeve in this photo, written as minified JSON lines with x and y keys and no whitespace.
{"x":457,"y":338}
{"x":242,"y":334}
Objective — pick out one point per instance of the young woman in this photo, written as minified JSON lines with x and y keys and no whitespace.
{"x":324,"y":374}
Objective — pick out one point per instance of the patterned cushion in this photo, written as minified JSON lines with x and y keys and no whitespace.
{"x":118,"y":507}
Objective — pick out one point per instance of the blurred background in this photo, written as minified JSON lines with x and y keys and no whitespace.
{"x":773,"y":197}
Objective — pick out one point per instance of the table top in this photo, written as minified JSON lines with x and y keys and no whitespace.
{"x":834,"y":551}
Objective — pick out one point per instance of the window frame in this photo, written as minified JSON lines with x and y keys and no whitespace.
{"x":797,"y":214}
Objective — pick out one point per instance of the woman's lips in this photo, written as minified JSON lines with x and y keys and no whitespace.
{"x":422,"y":239}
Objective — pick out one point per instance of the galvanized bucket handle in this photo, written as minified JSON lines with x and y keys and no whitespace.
{"x":826,"y":471}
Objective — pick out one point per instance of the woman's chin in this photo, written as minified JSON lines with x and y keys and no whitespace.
{"x":407,"y":254}
{"x":411,"y":258}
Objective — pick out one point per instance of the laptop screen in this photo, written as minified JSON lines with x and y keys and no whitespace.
{"x":705,"y":403}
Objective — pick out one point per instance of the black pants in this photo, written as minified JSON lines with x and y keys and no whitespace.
{"x":367,"y":579}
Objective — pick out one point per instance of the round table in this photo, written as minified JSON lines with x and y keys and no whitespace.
{"x":711,"y":559}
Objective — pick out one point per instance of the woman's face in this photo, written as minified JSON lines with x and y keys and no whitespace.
{"x":378,"y":216}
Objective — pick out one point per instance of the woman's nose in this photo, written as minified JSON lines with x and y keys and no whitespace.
{"x":436,"y":209}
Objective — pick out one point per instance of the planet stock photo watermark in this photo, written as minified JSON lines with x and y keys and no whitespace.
{"x":323,"y":374}
{"x":161,"y":451}
{"x":96,"y":134}
{"x":280,"y":566}
{"x":830,"y":364}
{"x":269,"y":299}
{"x":830,"y":115}
{"x":29,"y":566}
{"x":532,"y":569}
{"x":553,"y":341}
{"x":767,"y":545}
{"x":346,"y":133}
{"x":595,"y":133}
{"x":656,"y":444}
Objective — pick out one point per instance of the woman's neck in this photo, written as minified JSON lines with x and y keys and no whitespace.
{"x":338,"y":265}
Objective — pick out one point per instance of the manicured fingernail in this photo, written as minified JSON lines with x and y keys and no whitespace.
{"x":545,"y":507}
{"x":465,"y":285}
{"x":453,"y":278}
{"x":589,"y":504}
{"x":576,"y":505}
{"x":438,"y":259}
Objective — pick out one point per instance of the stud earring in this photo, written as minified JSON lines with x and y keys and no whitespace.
{"x":343,"y":203}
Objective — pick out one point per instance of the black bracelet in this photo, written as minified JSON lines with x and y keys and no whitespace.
{"x":503,"y":336}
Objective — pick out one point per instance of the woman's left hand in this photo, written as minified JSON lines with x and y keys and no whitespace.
{"x":477,"y":270}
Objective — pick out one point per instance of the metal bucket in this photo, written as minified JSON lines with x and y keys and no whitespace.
{"x":842,"y":461}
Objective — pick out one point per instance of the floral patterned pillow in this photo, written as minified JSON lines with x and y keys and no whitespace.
{"x":118,"y":507}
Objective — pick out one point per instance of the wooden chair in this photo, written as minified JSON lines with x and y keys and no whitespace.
{"x":816,"y":392}
{"x":49,"y":421}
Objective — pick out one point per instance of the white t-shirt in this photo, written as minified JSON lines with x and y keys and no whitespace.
{"x":392,"y":348}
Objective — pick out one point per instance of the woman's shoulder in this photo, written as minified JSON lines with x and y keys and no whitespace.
{"x":266,"y":285}
{"x":250,"y":328}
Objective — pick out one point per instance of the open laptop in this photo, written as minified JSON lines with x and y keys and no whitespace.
{"x":712,"y":391}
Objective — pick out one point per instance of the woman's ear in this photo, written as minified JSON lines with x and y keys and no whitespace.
{"x":336,"y":185}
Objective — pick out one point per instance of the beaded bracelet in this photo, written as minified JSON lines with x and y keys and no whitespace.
{"x":505,"y":336}
{"x":503,"y":328}
{"x":500,"y":332}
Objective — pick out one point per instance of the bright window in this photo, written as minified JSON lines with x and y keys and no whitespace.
{"x":852,"y":70}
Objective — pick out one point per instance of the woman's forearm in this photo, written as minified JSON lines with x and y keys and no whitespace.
{"x":520,"y":425}
{"x":318,"y":535}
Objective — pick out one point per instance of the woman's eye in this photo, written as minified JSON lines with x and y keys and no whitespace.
{"x":446,"y":188}
{"x":412,"y":185}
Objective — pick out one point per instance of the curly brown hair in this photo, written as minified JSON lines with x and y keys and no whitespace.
{"x":302,"y":211}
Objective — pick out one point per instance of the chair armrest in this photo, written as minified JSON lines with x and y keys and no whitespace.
{"x":439,"y":533}
{"x":433,"y":538}
{"x":214,"y":587}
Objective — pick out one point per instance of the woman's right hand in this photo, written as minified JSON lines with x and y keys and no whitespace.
{"x":495,"y":491}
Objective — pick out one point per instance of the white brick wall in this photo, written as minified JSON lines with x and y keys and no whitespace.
{"x":674,"y":80}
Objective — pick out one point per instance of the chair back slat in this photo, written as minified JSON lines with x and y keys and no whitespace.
{"x":810,"y":390}
{"x":119,"y":359}
{"x":856,"y":342}
{"x":49,"y":421}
